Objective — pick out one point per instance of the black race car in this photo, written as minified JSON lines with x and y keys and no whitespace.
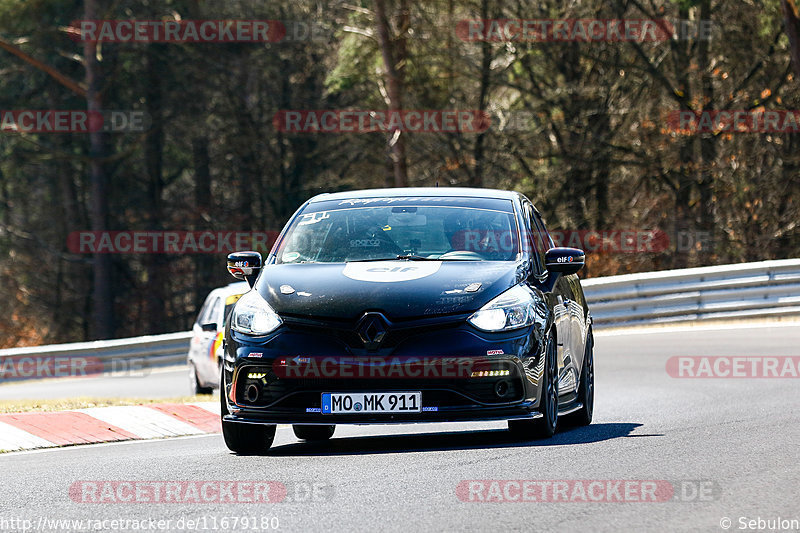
{"x":407,"y":305}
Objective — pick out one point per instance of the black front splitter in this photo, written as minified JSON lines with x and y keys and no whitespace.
{"x":427,"y":417}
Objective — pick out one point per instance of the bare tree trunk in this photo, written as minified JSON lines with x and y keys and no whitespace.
{"x":4,"y":200}
{"x":486,"y":68}
{"x":791,"y":16}
{"x":206,"y":264}
{"x":102,"y":294}
{"x":684,"y":216}
{"x":394,"y":63}
{"x":708,"y":142}
{"x":602,"y":164}
{"x":155,"y":303}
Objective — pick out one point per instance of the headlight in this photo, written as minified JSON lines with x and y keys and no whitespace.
{"x":253,"y":316}
{"x":511,"y":310}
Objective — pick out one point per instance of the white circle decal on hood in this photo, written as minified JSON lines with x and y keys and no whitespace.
{"x":391,"y":271}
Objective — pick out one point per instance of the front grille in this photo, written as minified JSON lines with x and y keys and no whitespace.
{"x":344,"y":332}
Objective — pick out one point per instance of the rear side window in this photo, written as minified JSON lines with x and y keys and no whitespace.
{"x":544,"y":242}
{"x":537,"y":238}
{"x":214,"y":313}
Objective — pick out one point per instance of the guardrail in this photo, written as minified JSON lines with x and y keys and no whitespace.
{"x":748,"y":290}
{"x":769,"y":288}
{"x":94,"y":357}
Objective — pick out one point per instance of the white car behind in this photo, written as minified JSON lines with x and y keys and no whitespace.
{"x":208,"y":331}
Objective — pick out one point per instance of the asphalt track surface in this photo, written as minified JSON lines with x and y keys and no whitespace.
{"x":739,"y":436}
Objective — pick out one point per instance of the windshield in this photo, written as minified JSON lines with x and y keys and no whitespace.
{"x":414,"y":232}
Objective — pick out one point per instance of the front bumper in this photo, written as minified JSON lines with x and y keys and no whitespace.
{"x":281,"y":379}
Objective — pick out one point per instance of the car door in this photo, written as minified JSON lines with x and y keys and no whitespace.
{"x":541,"y":242}
{"x":214,"y":317}
{"x":201,"y":339}
{"x":575,"y":305}
{"x":197,"y":332}
{"x":578,"y":320}
{"x":566,"y":310}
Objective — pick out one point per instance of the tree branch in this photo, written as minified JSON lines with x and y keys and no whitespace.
{"x":52,"y":72}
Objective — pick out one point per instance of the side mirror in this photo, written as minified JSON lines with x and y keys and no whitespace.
{"x":211,"y":326}
{"x":245,"y":265}
{"x":564,"y":260}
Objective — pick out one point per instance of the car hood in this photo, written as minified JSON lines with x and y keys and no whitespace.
{"x":399,"y":289}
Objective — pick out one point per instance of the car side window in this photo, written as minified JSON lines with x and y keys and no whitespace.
{"x":204,"y":311}
{"x":213,"y":313}
{"x":544,"y":235}
{"x":538,"y":239}
{"x":532,"y":240}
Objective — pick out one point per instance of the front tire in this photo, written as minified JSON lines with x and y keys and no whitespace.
{"x":313,"y":433}
{"x":545,"y":426}
{"x":244,"y":439}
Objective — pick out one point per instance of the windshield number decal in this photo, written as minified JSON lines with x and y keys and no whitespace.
{"x":313,"y":218}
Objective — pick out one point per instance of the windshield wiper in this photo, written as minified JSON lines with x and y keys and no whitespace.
{"x":406,"y":257}
{"x":415,"y":257}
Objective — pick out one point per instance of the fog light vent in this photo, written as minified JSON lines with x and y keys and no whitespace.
{"x":490,"y":373}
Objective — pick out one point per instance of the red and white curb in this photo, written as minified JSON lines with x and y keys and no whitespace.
{"x":25,"y":431}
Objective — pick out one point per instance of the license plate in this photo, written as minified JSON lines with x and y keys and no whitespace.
{"x":371,"y":402}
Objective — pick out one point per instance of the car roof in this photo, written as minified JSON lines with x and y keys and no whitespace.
{"x":444,"y":192}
